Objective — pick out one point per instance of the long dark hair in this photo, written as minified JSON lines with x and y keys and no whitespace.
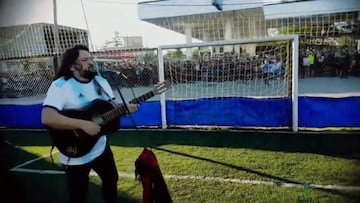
{"x":68,"y":59}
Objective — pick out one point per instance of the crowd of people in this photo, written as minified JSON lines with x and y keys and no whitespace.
{"x":265,"y":66}
{"x":27,"y":79}
{"x":129,"y":73}
{"x":32,"y":81}
{"x":327,"y":62}
{"x":313,"y":62}
{"x":230,"y":67}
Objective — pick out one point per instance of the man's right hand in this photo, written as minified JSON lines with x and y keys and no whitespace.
{"x":90,"y":128}
{"x":52,"y":118}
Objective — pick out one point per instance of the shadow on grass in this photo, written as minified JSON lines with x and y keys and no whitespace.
{"x":330,"y":144}
{"x":20,"y":187}
{"x":278,"y":180}
{"x":346,"y":145}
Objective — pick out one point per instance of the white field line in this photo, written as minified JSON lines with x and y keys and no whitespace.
{"x":192,"y":177}
{"x":11,"y":144}
{"x":33,"y":160}
{"x":212,"y":179}
{"x":37,"y":159}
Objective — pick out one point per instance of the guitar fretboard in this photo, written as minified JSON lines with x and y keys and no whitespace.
{"x":119,"y":111}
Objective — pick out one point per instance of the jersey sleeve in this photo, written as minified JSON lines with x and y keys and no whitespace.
{"x":56,"y":95}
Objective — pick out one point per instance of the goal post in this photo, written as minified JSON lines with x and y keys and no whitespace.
{"x":263,"y":70}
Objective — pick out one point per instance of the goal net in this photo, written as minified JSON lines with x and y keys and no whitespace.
{"x":245,"y":83}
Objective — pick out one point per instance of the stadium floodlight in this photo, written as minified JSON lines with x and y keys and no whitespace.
{"x":218,"y":4}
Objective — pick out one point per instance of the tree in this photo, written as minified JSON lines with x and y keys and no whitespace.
{"x":347,"y":41}
{"x":178,"y":54}
{"x":116,"y":41}
{"x":196,"y":54}
{"x":149,"y":58}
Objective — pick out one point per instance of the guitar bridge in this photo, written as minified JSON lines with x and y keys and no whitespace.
{"x":71,"y":150}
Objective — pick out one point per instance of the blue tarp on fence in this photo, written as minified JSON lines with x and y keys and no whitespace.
{"x":314,"y":112}
{"x":320,"y":112}
{"x":237,"y":112}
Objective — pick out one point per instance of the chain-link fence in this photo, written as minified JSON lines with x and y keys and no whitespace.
{"x":25,"y":77}
{"x":33,"y":76}
{"x":128,"y":68}
{"x":29,"y":54}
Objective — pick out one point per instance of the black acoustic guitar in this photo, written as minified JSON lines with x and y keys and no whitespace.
{"x":77,"y":143}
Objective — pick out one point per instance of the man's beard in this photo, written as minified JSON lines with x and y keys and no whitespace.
{"x":88,"y":74}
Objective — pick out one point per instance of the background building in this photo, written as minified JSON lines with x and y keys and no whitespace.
{"x":324,"y":23}
{"x":38,"y":39}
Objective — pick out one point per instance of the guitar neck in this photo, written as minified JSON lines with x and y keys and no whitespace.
{"x":142,"y":98}
{"x":122,"y":110}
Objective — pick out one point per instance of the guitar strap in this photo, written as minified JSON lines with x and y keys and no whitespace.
{"x":100,"y":89}
{"x":121,"y":96}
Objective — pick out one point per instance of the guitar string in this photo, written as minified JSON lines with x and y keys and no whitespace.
{"x":114,"y":113}
{"x":118,"y":111}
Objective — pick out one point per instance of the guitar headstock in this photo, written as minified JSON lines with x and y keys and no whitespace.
{"x":161,"y":87}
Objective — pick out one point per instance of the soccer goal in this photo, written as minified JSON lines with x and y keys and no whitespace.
{"x":248,"y":83}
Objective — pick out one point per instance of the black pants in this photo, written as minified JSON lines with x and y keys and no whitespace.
{"x":78,"y":178}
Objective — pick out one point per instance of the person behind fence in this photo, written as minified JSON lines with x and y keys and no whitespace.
{"x":3,"y":84}
{"x":75,"y":86}
{"x":306,"y":64}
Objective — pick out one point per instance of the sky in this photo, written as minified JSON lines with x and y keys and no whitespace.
{"x":106,"y":17}
{"x":101,"y":17}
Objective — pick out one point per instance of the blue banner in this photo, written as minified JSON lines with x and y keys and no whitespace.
{"x":320,"y":112}
{"x":314,"y":112}
{"x":237,"y":112}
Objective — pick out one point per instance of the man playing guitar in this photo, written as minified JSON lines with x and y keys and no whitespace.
{"x":75,"y":86}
